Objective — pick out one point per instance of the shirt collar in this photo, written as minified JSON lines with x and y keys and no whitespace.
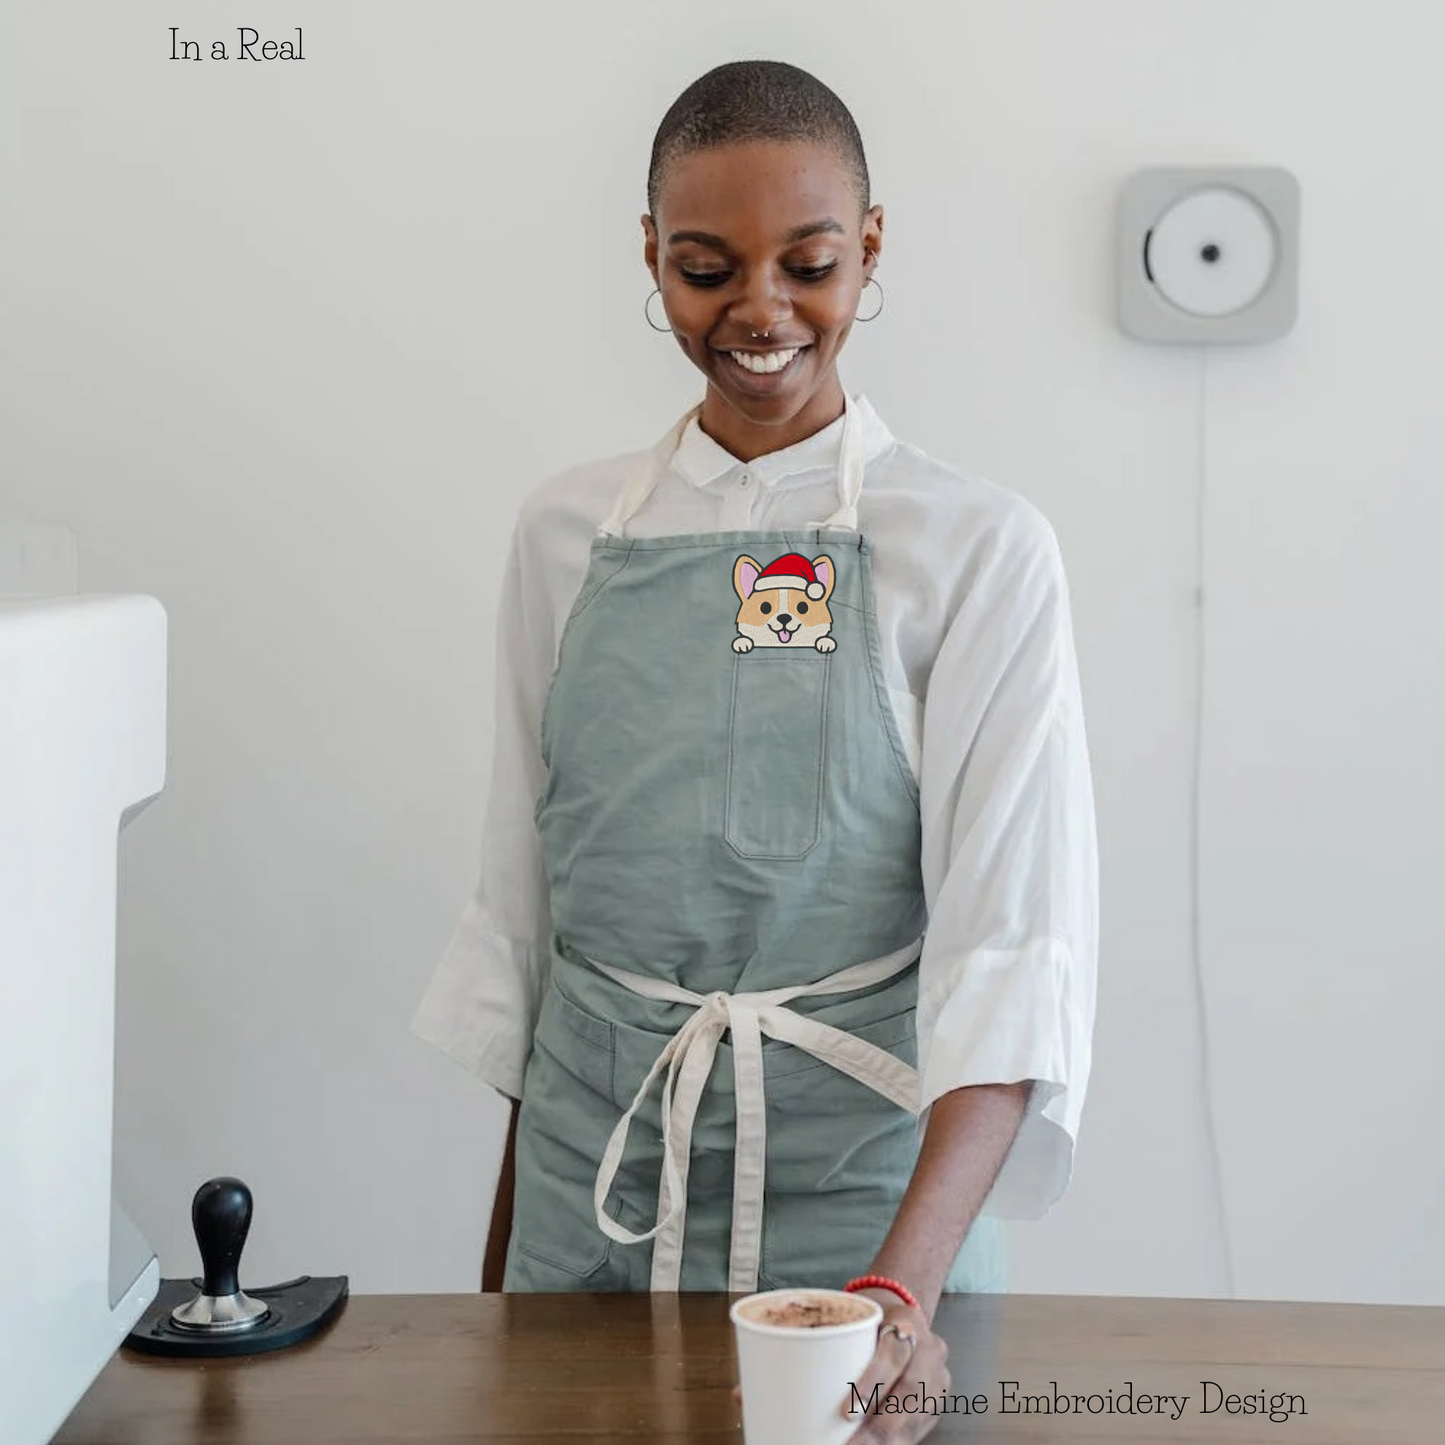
{"x":701,"y":460}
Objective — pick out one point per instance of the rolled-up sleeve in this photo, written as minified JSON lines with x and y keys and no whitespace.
{"x":481,"y":1005}
{"x":1008,"y":974}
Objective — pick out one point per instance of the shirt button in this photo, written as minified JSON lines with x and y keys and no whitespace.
{"x":744,"y":480}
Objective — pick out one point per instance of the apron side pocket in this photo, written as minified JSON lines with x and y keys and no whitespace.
{"x":840,"y":1156}
{"x":776,"y":753}
{"x":565,"y":1120}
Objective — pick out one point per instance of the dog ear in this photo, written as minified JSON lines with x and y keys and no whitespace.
{"x":745,"y":574}
{"x":823,"y":568}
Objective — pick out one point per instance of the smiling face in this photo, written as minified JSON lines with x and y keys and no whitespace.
{"x":762,"y":236}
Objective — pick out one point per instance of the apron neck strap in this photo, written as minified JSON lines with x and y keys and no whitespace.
{"x":632,"y":497}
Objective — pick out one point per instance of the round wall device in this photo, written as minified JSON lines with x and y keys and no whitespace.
{"x":1208,"y":254}
{"x":1212,"y":253}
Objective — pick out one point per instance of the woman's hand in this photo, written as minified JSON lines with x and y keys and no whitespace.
{"x":910,"y":1359}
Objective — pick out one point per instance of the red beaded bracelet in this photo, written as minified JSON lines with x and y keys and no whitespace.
{"x":882,"y":1281}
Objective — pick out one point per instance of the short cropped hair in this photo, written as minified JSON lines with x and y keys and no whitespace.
{"x":747,"y":100}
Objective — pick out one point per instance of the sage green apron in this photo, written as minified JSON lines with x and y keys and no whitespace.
{"x":721,"y":1093}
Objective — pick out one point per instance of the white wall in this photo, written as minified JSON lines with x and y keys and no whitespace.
{"x":287,"y":343}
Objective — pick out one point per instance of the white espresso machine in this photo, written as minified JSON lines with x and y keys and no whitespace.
{"x":82,"y":750}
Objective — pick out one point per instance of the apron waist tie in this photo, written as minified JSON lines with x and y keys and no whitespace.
{"x":688,"y":1058}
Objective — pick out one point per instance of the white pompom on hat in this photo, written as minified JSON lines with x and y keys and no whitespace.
{"x":794,"y":570}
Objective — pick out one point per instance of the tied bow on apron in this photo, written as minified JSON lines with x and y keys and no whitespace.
{"x":688,"y":1059}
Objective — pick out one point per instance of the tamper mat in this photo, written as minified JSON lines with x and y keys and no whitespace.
{"x":296,"y":1310}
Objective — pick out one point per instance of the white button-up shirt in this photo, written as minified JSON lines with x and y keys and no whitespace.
{"x":978,"y":652}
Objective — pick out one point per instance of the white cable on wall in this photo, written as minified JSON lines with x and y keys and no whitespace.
{"x":1200,"y":599}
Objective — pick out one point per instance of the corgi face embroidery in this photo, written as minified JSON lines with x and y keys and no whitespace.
{"x":784,"y":604}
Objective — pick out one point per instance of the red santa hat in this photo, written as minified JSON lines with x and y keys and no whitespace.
{"x":794,"y":570}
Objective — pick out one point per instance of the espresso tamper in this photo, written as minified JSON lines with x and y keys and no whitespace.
{"x":221,"y":1218}
{"x":223,"y":1319}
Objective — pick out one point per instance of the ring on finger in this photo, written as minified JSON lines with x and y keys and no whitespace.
{"x":907,"y":1336}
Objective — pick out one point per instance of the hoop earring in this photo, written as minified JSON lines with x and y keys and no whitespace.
{"x":648,"y":314}
{"x":872,"y":281}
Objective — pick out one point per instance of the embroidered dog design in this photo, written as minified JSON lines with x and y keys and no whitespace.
{"x":784,"y":604}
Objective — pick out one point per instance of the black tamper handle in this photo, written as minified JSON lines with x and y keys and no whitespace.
{"x":221,"y":1217}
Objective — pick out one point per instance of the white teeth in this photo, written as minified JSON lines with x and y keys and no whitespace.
{"x":761,"y":365}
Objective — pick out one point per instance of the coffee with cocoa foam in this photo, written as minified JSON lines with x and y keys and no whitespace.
{"x":806,"y":1311}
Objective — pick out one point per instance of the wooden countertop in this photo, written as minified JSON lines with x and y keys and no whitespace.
{"x":586,"y":1368}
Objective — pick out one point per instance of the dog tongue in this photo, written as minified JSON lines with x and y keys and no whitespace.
{"x":783,"y":636}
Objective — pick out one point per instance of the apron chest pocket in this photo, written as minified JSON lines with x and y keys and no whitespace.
{"x":776,"y":740}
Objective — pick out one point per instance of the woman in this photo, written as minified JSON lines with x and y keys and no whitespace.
{"x":773,"y":695}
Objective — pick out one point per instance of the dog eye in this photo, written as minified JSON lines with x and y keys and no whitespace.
{"x":802,"y":607}
{"x":767,"y":608}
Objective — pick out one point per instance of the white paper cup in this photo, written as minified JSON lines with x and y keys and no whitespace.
{"x":795,"y":1378}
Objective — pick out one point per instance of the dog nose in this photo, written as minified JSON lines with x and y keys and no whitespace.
{"x":784,"y":620}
